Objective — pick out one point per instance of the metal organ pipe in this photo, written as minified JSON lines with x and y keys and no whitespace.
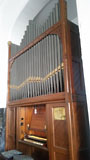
{"x":39,"y":70}
{"x":36,"y":72}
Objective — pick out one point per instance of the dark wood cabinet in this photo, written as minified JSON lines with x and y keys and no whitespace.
{"x":11,"y":128}
{"x":58,"y":132}
{"x":47,"y":109}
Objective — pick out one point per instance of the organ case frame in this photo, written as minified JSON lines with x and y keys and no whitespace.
{"x":72,"y":99}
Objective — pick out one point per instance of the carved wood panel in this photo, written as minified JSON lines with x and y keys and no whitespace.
{"x":58,"y":134}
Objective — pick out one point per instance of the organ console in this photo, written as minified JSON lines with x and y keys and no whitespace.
{"x":46,"y":109}
{"x":35,"y":132}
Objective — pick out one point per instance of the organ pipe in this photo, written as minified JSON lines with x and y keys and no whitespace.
{"x":39,"y":70}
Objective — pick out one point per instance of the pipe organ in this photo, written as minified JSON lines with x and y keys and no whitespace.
{"x":39,"y":71}
{"x":46,"y":109}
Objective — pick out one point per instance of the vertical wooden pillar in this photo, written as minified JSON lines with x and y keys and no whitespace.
{"x":67,"y":78}
{"x":8,"y":95}
{"x":9,"y":56}
{"x":75,"y":101}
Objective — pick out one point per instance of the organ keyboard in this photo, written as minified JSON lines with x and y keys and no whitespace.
{"x":36,"y":140}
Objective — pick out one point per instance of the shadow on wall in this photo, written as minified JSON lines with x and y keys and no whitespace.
{"x":2,"y":128}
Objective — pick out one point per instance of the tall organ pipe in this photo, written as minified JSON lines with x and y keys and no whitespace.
{"x":36,"y":72}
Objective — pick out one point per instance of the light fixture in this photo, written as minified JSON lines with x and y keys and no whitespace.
{"x":35,"y":110}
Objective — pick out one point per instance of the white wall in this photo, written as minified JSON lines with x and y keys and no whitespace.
{"x":83,"y":8}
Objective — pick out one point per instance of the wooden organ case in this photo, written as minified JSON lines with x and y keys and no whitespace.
{"x":46,"y":109}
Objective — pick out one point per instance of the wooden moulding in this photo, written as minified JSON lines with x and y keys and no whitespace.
{"x":34,"y":145}
{"x":44,"y":99}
